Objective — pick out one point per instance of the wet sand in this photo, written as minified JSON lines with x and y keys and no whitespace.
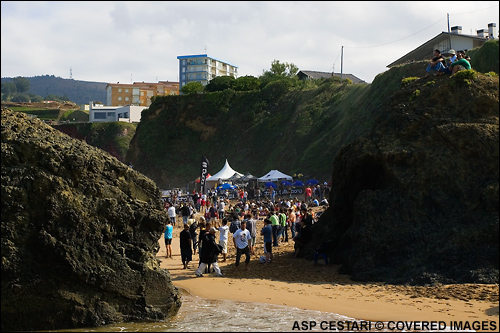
{"x":299,"y":283}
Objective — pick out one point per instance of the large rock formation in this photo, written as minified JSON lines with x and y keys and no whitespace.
{"x":80,"y":234}
{"x":417,"y":200}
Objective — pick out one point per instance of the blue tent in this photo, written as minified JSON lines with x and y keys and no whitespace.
{"x":312,"y":182}
{"x":269,"y":184}
{"x":298,"y":183}
{"x":226,"y":186}
{"x":286,"y":183}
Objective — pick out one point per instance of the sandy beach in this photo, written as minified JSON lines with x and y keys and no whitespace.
{"x":297,"y":282}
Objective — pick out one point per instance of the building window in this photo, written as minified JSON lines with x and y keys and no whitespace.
{"x":126,"y":98}
{"x":99,"y":115}
{"x":119,"y":90}
{"x":126,"y":90}
{"x":111,"y":114}
{"x":120,"y":98}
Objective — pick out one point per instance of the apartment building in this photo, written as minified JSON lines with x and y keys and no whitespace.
{"x":138,"y":93}
{"x":202,"y":68}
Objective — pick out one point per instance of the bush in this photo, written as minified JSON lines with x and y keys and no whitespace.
{"x":406,"y":81}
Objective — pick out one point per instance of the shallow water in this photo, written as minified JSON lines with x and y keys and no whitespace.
{"x":202,"y":315}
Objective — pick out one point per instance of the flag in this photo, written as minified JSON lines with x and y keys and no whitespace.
{"x":204,"y":172}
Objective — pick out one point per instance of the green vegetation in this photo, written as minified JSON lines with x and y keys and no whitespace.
{"x":287,"y":124}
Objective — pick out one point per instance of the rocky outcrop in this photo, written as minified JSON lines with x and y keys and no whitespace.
{"x":80,"y":234}
{"x":417,"y":200}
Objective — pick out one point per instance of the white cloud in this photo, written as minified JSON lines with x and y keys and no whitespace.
{"x":110,"y":41}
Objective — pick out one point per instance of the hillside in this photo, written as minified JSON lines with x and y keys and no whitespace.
{"x":277,"y":127}
{"x":79,"y":92}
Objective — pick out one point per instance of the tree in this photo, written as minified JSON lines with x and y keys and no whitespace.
{"x":279,"y":71}
{"x":220,"y":83}
{"x":8,"y":90}
{"x":246,"y":83}
{"x":192,"y":88}
{"x":22,"y":84}
{"x":20,"y":98}
{"x":283,"y":69}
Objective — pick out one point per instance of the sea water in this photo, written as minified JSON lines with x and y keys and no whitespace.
{"x":204,"y":315}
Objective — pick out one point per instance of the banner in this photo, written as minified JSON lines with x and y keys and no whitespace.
{"x":203,"y":175}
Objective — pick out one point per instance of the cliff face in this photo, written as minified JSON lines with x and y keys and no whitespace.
{"x":417,"y":200}
{"x":80,"y":234}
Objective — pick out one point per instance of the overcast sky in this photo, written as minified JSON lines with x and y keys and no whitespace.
{"x":139,"y":40}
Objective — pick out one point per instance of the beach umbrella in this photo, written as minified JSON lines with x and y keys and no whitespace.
{"x":286,"y":183}
{"x":226,"y":186}
{"x":298,"y":183}
{"x":269,"y":184}
{"x":312,"y":182}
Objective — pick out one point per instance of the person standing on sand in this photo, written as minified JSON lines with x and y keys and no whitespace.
{"x":307,"y":194}
{"x":240,"y":240}
{"x":291,"y":221}
{"x":185,"y":244}
{"x":252,"y":228}
{"x":275,"y":226}
{"x":171,"y":213}
{"x":267,"y":232}
{"x":192,"y":232}
{"x":223,"y":238}
{"x":168,"y":239}
{"x":209,"y":253}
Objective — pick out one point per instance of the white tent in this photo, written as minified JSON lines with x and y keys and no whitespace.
{"x":273,"y":176}
{"x":224,"y":174}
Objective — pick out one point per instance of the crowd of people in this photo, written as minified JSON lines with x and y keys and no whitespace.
{"x":235,"y":223}
{"x":457,"y":61}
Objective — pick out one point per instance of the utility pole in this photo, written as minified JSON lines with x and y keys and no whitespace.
{"x":342,"y":63}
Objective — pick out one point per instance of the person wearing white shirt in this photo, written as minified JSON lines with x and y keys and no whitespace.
{"x":171,"y":214}
{"x":240,"y":240}
{"x":223,"y":233}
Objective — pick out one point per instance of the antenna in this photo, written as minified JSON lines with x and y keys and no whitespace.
{"x":71,"y":73}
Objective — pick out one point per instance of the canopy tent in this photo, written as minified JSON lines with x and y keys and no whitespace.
{"x":224,"y":174}
{"x":248,"y":176}
{"x":312,"y":182}
{"x":236,"y":177}
{"x":226,"y":186}
{"x":197,"y":181}
{"x":273,"y":176}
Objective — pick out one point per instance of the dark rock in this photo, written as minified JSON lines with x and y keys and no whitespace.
{"x":80,"y":234}
{"x":417,"y":200}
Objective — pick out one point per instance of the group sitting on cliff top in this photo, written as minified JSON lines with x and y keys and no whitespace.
{"x":456,"y":62}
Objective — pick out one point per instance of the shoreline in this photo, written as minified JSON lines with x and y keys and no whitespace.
{"x":297,"y":282}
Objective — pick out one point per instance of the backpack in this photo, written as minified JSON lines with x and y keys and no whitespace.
{"x":193,"y":227}
{"x":235,"y":225}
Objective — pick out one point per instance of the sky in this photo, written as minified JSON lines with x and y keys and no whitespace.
{"x":135,"y":41}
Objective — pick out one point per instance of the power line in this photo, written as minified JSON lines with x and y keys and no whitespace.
{"x":361,"y":47}
{"x":469,"y":12}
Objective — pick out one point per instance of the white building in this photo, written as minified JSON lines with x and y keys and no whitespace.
{"x":127,"y":113}
{"x":202,"y":68}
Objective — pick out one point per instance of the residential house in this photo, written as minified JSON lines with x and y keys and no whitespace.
{"x":128,"y":113}
{"x":446,"y":41}
{"x":308,"y":75}
{"x":138,"y":93}
{"x":202,"y":68}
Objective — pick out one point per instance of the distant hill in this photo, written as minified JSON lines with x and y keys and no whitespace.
{"x":79,"y":92}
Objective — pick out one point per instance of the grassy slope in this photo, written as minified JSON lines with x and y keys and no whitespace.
{"x":294,"y":131}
